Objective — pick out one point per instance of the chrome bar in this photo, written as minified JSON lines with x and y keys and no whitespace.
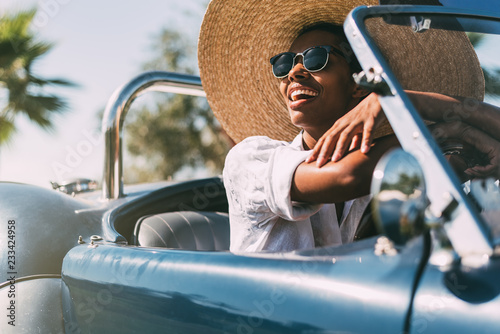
{"x":467,"y":231}
{"x":116,"y":110}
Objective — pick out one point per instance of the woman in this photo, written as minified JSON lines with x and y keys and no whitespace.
{"x":282,"y":196}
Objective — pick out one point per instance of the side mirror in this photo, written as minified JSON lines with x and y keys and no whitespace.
{"x":399,"y":196}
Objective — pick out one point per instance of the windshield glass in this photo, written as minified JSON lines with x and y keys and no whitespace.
{"x":450,"y":70}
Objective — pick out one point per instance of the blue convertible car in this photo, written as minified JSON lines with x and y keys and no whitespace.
{"x":155,"y":259}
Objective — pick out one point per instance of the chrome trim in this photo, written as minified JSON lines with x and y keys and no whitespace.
{"x":116,"y":110}
{"x":30,"y":278}
{"x":467,"y":232}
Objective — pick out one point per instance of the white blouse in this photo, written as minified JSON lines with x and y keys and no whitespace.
{"x":258,"y":176}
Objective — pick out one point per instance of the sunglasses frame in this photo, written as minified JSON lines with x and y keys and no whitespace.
{"x":328,"y":48}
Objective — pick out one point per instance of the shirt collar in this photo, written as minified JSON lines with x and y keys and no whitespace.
{"x":298,"y":142}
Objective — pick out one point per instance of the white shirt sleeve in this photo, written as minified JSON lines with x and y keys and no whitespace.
{"x":258,"y":176}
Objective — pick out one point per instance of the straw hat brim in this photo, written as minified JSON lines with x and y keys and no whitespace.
{"x":238,"y":37}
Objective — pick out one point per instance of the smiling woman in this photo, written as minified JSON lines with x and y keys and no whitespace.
{"x":289,"y":190}
{"x":277,"y":201}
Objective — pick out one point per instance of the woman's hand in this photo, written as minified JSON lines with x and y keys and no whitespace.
{"x":476,"y":139}
{"x":353,"y":130}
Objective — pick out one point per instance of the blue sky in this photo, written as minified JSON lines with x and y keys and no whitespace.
{"x":98,"y":45}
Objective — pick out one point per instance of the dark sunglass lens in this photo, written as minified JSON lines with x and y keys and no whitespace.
{"x":315,"y":59}
{"x":282,"y":64}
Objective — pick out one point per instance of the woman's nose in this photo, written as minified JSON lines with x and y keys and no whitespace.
{"x":298,"y":71}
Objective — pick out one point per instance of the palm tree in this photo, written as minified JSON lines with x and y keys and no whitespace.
{"x":21,"y":91}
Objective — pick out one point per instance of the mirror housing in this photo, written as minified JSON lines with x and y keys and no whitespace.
{"x":399,"y":196}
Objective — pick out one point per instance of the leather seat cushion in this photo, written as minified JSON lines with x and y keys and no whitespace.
{"x":191,"y":230}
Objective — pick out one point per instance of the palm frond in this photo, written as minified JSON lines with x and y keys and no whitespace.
{"x":19,"y":50}
{"x":9,"y":53}
{"x":16,"y":24}
{"x":7,"y":129}
{"x":34,"y":52}
{"x":47,"y":82}
{"x":39,"y":109}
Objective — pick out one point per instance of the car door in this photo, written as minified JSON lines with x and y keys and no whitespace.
{"x":363,"y":287}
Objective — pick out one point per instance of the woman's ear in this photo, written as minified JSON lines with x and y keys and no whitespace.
{"x":359,"y":93}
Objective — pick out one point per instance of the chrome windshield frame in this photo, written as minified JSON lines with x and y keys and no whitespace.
{"x":466,"y":230}
{"x":116,"y":110}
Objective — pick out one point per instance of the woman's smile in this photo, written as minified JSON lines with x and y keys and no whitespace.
{"x":299,"y":94}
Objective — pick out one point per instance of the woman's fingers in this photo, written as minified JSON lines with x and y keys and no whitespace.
{"x":355,"y":142}
{"x":316,"y":151}
{"x":367,"y":135}
{"x":482,"y":171}
{"x":344,"y":140}
{"x":354,"y":129}
{"x":327,"y":147}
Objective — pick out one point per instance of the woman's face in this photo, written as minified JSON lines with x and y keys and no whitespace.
{"x":323,"y":96}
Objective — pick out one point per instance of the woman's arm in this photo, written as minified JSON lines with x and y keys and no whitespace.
{"x":339,"y":181}
{"x":445,"y":109}
{"x":480,"y":141}
{"x":358,"y":125}
{"x":351,"y":176}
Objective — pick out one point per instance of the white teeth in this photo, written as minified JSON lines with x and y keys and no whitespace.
{"x":295,"y":93}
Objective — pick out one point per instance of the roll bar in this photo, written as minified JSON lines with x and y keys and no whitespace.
{"x":116,"y":110}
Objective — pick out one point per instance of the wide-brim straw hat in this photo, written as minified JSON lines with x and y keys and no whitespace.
{"x":238,"y":37}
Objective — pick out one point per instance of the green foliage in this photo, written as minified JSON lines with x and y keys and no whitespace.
{"x":23,"y":90}
{"x":492,"y":81}
{"x":475,"y":38}
{"x":407,"y":184}
{"x":175,"y":53}
{"x":491,"y":75}
{"x":177,"y":133}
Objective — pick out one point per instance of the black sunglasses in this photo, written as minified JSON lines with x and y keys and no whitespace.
{"x":314,"y":60}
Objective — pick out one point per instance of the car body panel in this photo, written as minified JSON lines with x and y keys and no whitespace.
{"x":183,"y":291}
{"x":46,"y":227}
{"x":19,"y":298}
{"x":458,"y":299}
